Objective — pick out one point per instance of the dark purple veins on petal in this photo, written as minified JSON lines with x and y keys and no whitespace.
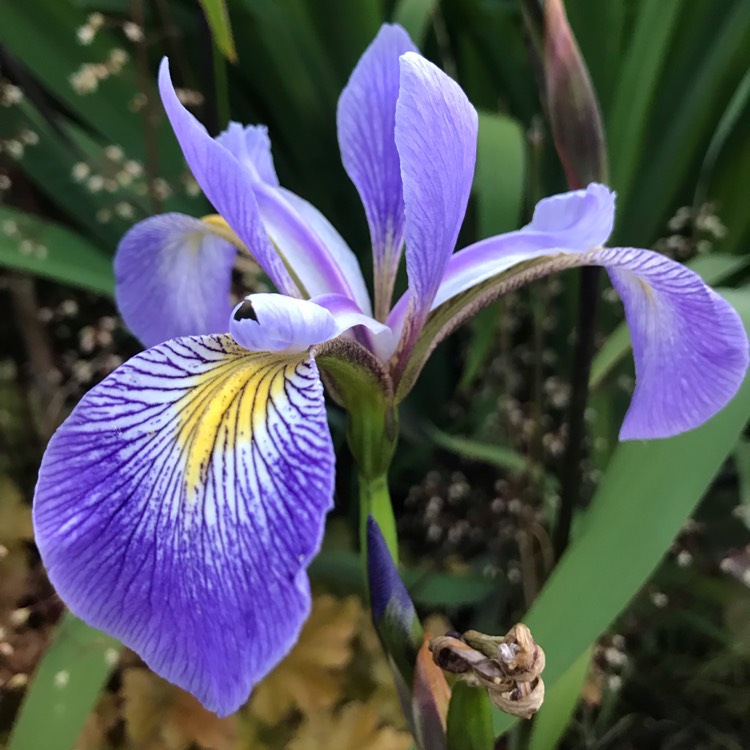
{"x":178,"y":507}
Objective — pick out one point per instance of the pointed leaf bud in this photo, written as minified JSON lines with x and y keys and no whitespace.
{"x":393,"y":611}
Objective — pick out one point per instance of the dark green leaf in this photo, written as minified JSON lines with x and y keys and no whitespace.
{"x":559,"y":704}
{"x":28,"y":243}
{"x":414,"y":16}
{"x":499,"y":176}
{"x":639,"y":76}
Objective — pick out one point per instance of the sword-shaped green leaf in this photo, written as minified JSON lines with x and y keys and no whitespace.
{"x":65,"y":687}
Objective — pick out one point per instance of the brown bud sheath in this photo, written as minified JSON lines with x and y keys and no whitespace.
{"x":572,"y":106}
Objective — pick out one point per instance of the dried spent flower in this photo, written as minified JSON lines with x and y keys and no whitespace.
{"x":116,"y":60}
{"x":85,"y":34}
{"x":9,"y":94}
{"x":80,"y":171}
{"x":508,"y":667}
{"x":132,"y":31}
{"x":114,"y":152}
{"x":95,"y":20}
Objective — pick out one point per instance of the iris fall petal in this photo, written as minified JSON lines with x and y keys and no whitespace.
{"x":690,"y":347}
{"x":178,"y":507}
{"x":173,"y":278}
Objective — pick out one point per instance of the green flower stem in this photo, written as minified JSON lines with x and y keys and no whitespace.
{"x":375,"y":500}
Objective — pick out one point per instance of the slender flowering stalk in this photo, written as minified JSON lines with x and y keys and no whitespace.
{"x":179,"y":505}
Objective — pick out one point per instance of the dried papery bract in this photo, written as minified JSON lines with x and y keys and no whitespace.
{"x":509,"y":667}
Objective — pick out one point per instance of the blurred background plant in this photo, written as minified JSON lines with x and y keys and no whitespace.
{"x":644,"y":619}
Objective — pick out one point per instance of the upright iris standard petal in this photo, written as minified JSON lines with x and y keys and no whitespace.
{"x":366,"y":121}
{"x":173,"y":277}
{"x":226,"y":183}
{"x":436,"y":134}
{"x":319,"y":259}
{"x":179,"y":505}
{"x":319,"y":268}
{"x":690,"y":347}
{"x":252,"y":148}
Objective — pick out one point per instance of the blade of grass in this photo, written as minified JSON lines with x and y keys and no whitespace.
{"x":476,"y":450}
{"x":725,"y":127}
{"x":675,"y":160}
{"x":559,"y":705}
{"x":217,"y":16}
{"x":65,"y":687}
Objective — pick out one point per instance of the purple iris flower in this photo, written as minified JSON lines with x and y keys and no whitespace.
{"x":179,"y":505}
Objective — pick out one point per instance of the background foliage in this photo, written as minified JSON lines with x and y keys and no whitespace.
{"x":644,"y":650}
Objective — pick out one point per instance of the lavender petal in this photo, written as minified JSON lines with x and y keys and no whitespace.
{"x":173,"y":278}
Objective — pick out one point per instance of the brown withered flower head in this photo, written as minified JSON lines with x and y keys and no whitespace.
{"x":508,"y":666}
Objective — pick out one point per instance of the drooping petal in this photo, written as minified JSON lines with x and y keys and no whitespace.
{"x":179,"y":505}
{"x":366,"y":120}
{"x":226,"y":183}
{"x":436,"y":134}
{"x":690,"y":347}
{"x":574,"y":221}
{"x":273,"y":322}
{"x":251,"y":146}
{"x":173,"y":277}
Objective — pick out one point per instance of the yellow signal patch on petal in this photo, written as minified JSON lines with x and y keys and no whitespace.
{"x":228,"y":405}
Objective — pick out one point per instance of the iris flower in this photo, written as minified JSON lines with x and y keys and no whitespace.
{"x":179,"y":505}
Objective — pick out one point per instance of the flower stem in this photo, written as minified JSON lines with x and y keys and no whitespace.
{"x":375,"y":501}
{"x":570,"y":481}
